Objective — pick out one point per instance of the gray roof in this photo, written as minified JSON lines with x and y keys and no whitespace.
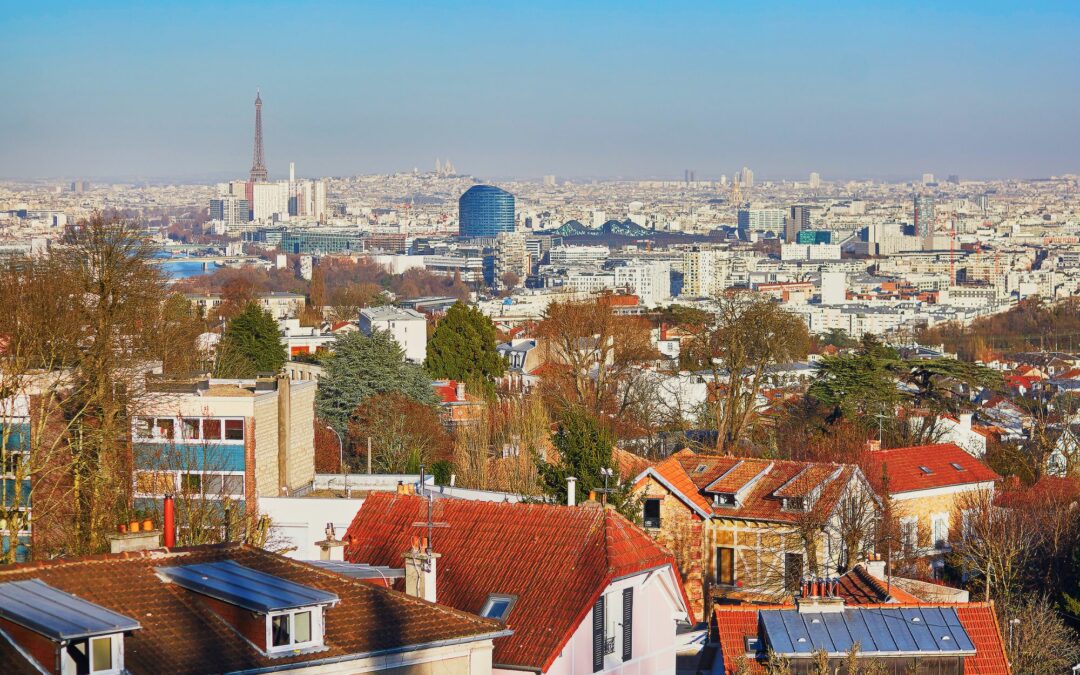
{"x":244,"y":587}
{"x":57,"y":615}
{"x":902,"y":631}
{"x":359,"y":570}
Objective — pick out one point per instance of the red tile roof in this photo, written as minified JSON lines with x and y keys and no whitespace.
{"x":180,"y":635}
{"x":689,"y":474}
{"x":733,"y":624}
{"x":859,"y":587}
{"x":556,"y":559}
{"x":905,"y":472}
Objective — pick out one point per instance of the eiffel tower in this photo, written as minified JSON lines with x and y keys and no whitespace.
{"x":258,"y":167}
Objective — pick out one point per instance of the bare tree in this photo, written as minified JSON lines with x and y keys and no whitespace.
{"x":993,"y":543}
{"x":748,"y":336}
{"x":1037,"y":640}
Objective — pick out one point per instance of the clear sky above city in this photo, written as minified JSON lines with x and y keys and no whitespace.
{"x":578,"y":89}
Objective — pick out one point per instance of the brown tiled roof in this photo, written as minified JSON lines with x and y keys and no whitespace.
{"x":180,"y":635}
{"x":556,"y":559}
{"x":681,"y":472}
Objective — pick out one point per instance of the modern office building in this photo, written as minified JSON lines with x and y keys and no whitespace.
{"x":485,"y":211}
{"x":798,"y":220}
{"x":924,"y":220}
{"x":230,"y":210}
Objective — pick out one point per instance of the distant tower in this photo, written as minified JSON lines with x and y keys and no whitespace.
{"x":258,"y":166}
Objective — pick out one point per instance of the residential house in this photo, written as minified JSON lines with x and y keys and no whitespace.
{"x":224,"y":608}
{"x":215,"y":438}
{"x":927,"y":485}
{"x":282,"y":305}
{"x":458,"y":406}
{"x":749,"y":529}
{"x":521,"y":354}
{"x":15,"y":480}
{"x":583,"y":589}
{"x":958,"y":430}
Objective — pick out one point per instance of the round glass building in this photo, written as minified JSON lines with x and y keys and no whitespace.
{"x":485,"y":211}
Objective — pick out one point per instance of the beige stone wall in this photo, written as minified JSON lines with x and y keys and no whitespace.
{"x":680,"y":532}
{"x":924,"y":508}
{"x":300,"y":458}
{"x":266,"y":449}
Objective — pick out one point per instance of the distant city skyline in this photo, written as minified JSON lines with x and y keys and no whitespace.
{"x":124,"y":90}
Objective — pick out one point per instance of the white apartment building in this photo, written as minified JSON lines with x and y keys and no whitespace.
{"x":809,"y":252}
{"x":566,"y":255}
{"x":650,"y":280}
{"x":407,"y":326}
{"x":268,"y":199}
{"x":706,"y":273}
{"x":584,"y":282}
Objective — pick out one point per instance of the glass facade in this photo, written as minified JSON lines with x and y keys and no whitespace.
{"x":485,"y":211}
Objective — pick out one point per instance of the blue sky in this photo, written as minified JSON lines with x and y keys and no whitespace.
{"x":599,"y":89}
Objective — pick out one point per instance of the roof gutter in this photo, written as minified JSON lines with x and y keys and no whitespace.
{"x":380,"y":652}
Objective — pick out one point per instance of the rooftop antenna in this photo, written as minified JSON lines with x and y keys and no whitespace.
{"x":430,"y":523}
{"x":607,"y":473}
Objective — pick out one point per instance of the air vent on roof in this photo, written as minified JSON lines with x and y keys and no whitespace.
{"x":957,"y":466}
{"x":927,"y":470}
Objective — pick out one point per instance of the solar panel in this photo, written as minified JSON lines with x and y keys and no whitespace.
{"x":235,"y":584}
{"x":57,"y":615}
{"x":895,"y":631}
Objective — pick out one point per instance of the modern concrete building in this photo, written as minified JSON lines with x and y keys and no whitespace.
{"x":407,"y":326}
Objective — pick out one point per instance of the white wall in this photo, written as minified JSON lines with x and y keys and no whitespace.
{"x":298,"y":522}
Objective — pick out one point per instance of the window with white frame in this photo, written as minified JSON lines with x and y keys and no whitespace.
{"x":293,"y":630}
{"x":103,"y":655}
{"x":940,"y":525}
{"x":909,"y":531}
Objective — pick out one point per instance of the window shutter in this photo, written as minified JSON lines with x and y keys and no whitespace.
{"x":627,"y":623}
{"x":598,"y":635}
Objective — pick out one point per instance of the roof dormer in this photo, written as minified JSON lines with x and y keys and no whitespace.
{"x":278,"y":616}
{"x":61,"y":633}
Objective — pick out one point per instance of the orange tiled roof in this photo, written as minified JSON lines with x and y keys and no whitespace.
{"x":180,"y":635}
{"x":556,"y":559}
{"x":906,"y":473}
{"x":690,"y":474}
{"x":735,"y":623}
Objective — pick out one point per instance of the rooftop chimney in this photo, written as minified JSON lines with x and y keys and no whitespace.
{"x":136,"y":539}
{"x":331,"y":548}
{"x":873,"y":445}
{"x":420,"y":570}
{"x":875,"y":566}
{"x":571,"y":491}
{"x":965,"y":421}
{"x":169,"y":524}
{"x":460,"y":391}
{"x":819,"y":595}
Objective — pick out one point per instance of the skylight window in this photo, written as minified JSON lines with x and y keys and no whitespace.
{"x":700,"y":468}
{"x":927,"y":470}
{"x":957,"y":466}
{"x":498,"y":606}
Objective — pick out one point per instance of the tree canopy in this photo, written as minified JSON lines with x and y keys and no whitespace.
{"x":361,"y":366}
{"x":250,"y":345}
{"x":585,"y":447}
{"x":463,"y":348}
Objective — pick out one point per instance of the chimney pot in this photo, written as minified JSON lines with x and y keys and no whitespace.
{"x":571,"y":491}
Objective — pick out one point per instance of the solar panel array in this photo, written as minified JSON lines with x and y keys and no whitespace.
{"x":242,"y":586}
{"x":57,"y":615}
{"x":901,"y":631}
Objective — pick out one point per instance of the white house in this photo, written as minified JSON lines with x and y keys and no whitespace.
{"x":407,"y":326}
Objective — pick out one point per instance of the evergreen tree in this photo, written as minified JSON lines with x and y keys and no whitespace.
{"x":361,"y":366}
{"x":251,"y":345}
{"x":585,"y":447}
{"x":463,"y":348}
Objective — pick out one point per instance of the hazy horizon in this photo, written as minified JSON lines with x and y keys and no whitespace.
{"x":127,"y":91}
